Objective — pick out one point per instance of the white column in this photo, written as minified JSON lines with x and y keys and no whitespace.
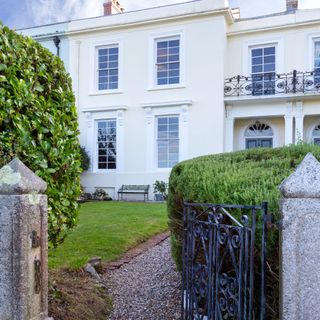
{"x":288,"y":119}
{"x":74,"y":67}
{"x":150,"y":134}
{"x":90,"y":143}
{"x":184,"y":133}
{"x":229,"y":129}
{"x":299,"y":122}
{"x":120,"y":141}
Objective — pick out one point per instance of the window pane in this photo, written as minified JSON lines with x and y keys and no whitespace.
{"x":256,"y":69}
{"x":174,"y":66}
{"x":256,"y":52}
{"x":162,"y":81}
{"x":114,"y":50}
{"x":168,"y":141}
{"x":162,"y":44}
{"x":174,"y":57}
{"x":103,"y":52}
{"x":263,"y":68}
{"x":269,"y":50}
{"x":269,"y":59}
{"x":269,"y":67}
{"x":107,"y":150}
{"x":168,"y":58}
{"x":251,"y":144}
{"x":266,"y":143}
{"x":108,"y":68}
{"x":174,"y":43}
{"x":174,"y":80}
{"x":256,"y":60}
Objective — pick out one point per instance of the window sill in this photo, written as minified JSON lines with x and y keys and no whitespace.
{"x":105,"y":92}
{"x":166,"y":87}
{"x":163,"y":169}
{"x":105,"y":171}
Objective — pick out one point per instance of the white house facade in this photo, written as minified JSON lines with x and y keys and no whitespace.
{"x":158,"y":86}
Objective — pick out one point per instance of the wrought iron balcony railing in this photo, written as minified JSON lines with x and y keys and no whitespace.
{"x":273,"y":84}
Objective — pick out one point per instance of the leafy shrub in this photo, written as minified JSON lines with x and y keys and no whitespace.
{"x":100,"y":194}
{"x":38,"y":124}
{"x":85,"y":159}
{"x":244,"y":177}
{"x":160,"y":187}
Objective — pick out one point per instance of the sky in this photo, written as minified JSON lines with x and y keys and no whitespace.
{"x":27,"y":13}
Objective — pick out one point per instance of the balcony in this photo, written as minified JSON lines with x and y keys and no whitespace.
{"x":270,"y":85}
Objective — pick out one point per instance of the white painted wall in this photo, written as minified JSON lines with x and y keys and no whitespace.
{"x":200,"y":108}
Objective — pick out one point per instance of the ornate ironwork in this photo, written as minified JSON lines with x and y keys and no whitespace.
{"x":272,"y":84}
{"x":219,"y":262}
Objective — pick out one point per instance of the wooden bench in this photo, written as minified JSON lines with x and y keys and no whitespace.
{"x":134,"y":189}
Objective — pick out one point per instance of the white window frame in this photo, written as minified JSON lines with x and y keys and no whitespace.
{"x":98,"y":70}
{"x":155,"y":72}
{"x":260,"y":73}
{"x":312,"y":38}
{"x":91,"y":116}
{"x":166,"y":35}
{"x":260,"y":43}
{"x":93,"y":79}
{"x":96,"y":155}
{"x":157,"y":139}
{"x":158,"y":109}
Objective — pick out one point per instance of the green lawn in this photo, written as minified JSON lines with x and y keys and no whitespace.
{"x":107,"y":230}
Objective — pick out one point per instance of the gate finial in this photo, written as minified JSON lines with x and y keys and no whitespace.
{"x":17,"y":178}
{"x":304,"y":182}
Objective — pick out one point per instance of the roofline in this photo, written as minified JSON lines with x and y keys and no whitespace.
{"x":223,"y":11}
{"x":107,"y":16}
{"x":285,"y":25}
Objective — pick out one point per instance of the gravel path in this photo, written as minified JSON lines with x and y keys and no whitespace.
{"x":147,"y":288}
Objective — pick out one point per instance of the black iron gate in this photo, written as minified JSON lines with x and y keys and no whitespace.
{"x":221,"y":280}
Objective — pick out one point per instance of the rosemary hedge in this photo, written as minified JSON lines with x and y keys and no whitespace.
{"x":38,"y":123}
{"x":245,"y":178}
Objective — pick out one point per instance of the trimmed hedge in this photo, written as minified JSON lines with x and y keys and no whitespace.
{"x":38,"y":123}
{"x":244,"y":178}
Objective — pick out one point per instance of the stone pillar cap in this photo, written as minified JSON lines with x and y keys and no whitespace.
{"x":304,"y":182}
{"x":17,"y":178}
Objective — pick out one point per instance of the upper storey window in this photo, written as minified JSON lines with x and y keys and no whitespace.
{"x":263,"y":70}
{"x":108,"y":68}
{"x":167,"y":61}
{"x":317,"y":61}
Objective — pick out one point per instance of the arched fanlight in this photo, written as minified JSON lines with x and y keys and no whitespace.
{"x":259,"y":129}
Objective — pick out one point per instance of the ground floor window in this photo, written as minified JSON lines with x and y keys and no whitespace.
{"x":259,"y":135}
{"x":167,"y":141}
{"x":106,"y":140}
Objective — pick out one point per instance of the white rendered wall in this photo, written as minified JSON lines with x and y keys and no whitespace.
{"x":198,"y":101}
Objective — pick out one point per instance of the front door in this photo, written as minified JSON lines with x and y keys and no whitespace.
{"x":258,"y":143}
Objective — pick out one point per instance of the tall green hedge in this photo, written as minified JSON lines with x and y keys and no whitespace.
{"x":244,"y":178}
{"x":38,"y":123}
